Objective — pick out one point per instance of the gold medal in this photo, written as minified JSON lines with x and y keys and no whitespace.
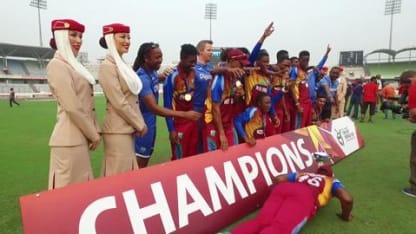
{"x":188,"y":97}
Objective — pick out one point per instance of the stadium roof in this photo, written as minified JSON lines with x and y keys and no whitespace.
{"x":390,"y":52}
{"x":384,"y":51}
{"x":405,"y":49}
{"x":11,"y":50}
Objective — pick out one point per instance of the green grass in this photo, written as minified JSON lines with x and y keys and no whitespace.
{"x":374,"y":175}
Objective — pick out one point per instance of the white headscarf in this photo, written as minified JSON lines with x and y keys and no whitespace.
{"x":64,"y":49}
{"x":133,"y":82}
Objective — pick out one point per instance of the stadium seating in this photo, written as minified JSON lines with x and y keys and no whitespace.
{"x":15,"y":67}
{"x":34,"y":68}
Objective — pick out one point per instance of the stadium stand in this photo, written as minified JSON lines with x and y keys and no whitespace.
{"x":390,"y":63}
{"x":390,"y":70}
{"x":24,"y":69}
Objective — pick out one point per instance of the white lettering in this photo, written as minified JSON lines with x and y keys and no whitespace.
{"x":272,"y":151}
{"x":186,"y":186}
{"x":249,"y":176}
{"x":263,"y":168}
{"x":91,"y":213}
{"x":305,"y":152}
{"x":293,"y":156}
{"x":137,"y":215}
{"x":215,"y":183}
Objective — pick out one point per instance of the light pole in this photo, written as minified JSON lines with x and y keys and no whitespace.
{"x":392,"y":7}
{"x":40,"y":4}
{"x":210,"y":13}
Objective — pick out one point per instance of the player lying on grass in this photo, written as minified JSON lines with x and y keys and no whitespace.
{"x":295,"y":200}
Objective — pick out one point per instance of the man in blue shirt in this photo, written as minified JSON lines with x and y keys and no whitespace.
{"x":328,"y":86}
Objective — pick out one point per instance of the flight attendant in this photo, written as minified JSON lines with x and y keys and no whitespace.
{"x":76,"y":131}
{"x":123,"y":119}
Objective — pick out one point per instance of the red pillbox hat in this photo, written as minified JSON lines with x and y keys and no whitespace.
{"x":64,"y":24}
{"x":115,"y":28}
{"x":111,"y":29}
{"x":67,"y":24}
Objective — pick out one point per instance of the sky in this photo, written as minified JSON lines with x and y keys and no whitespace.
{"x":299,"y":24}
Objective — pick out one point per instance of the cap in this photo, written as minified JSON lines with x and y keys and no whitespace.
{"x":236,"y":54}
{"x":325,"y":170}
{"x":111,"y":29}
{"x":64,"y":24}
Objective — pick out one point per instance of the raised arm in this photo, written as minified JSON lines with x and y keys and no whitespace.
{"x":255,"y":51}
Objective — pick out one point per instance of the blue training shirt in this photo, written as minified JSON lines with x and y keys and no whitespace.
{"x":332,"y":85}
{"x":312,"y":78}
{"x":202,"y":79}
{"x":150,"y":83}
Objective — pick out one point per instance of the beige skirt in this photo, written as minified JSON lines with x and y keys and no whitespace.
{"x":69,"y":165}
{"x":119,"y":154}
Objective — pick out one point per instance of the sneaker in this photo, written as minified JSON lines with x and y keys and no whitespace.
{"x":409,"y":193}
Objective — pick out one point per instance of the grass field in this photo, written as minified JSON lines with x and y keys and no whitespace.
{"x":374,"y":175}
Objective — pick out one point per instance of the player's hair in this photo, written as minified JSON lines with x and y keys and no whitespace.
{"x":282,"y":55}
{"x":260,"y":97}
{"x":335,"y":67}
{"x":262,"y":53}
{"x":321,"y":96}
{"x":244,"y":50}
{"x":293,"y":58}
{"x":304,"y":53}
{"x":201,"y":45}
{"x":142,"y":53}
{"x":188,"y":50}
{"x":223,"y":54}
{"x":406,"y":75}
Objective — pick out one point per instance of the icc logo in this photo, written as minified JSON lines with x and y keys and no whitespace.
{"x":339,"y":137}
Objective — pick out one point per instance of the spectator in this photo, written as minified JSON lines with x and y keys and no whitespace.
{"x":355,"y":101}
{"x":121,"y":87}
{"x":328,"y":86}
{"x":295,"y":200}
{"x":389,"y":96}
{"x":12,"y":98}
{"x":340,"y":96}
{"x":76,"y":131}
{"x":348,"y":94}
{"x":411,"y":75}
{"x":370,"y":91}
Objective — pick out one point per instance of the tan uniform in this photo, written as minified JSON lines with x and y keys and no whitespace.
{"x":76,"y":125}
{"x":338,"y":110}
{"x":122,"y":119}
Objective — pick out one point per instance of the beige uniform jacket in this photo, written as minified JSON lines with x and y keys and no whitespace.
{"x":342,"y":89}
{"x":76,"y":119}
{"x":123,"y":115}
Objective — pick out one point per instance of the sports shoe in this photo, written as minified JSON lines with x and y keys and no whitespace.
{"x":409,"y":193}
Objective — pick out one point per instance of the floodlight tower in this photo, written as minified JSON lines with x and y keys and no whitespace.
{"x":40,"y":4}
{"x":210,"y":13}
{"x":392,"y":7}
